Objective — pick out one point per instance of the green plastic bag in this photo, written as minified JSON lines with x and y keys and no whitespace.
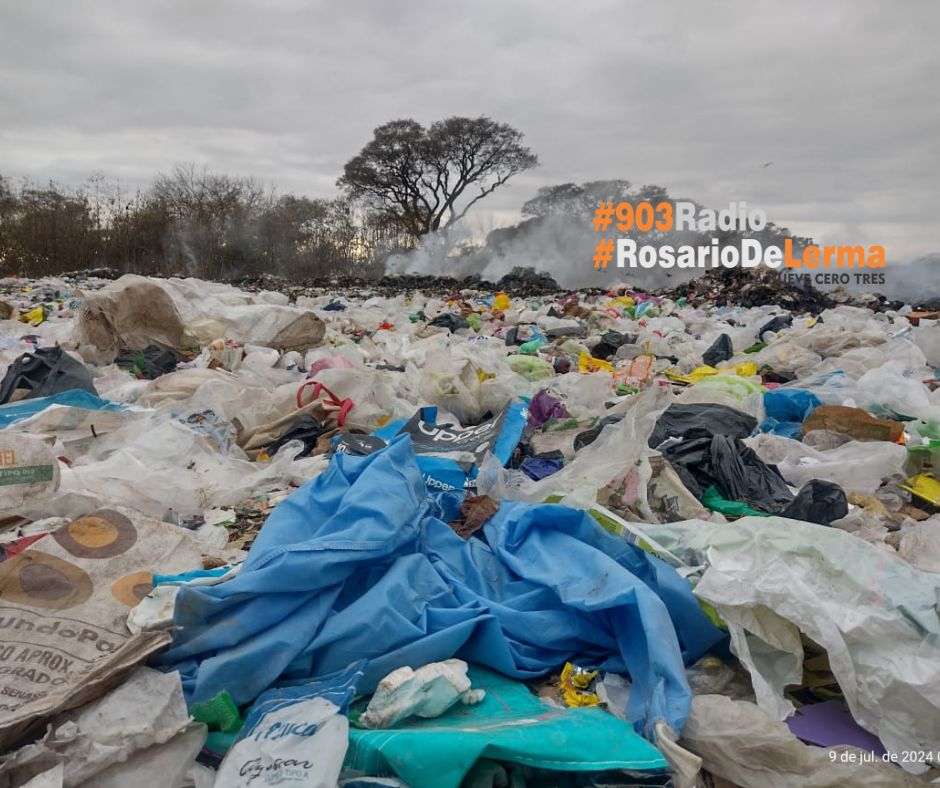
{"x":531,"y":367}
{"x":712,"y":500}
{"x":511,"y":724}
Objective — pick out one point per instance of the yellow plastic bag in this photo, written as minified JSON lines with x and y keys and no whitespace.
{"x":34,"y":317}
{"x":587,"y":363}
{"x":624,"y":302}
{"x":746,"y":370}
{"x":695,"y":376}
{"x":502,"y":302}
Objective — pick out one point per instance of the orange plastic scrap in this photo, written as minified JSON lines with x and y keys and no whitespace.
{"x":637,"y":372}
{"x":854,"y":422}
{"x":916,"y":317}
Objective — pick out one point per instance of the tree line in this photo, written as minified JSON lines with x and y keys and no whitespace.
{"x":408,"y":181}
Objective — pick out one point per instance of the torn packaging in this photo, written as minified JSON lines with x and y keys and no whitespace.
{"x":372,"y":574}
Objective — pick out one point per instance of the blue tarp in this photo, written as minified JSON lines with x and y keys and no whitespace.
{"x":355,"y":565}
{"x":73,"y":398}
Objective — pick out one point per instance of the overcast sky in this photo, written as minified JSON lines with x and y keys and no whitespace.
{"x":843,"y":97}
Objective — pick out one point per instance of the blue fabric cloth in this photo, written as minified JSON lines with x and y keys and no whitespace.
{"x":73,"y":398}
{"x":355,"y":566}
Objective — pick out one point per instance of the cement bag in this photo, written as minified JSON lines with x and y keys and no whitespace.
{"x":29,"y":471}
{"x":146,"y":710}
{"x":772,"y":579}
{"x":280,"y":327}
{"x":130,"y":314}
{"x":294,"y":736}
{"x":64,"y":604}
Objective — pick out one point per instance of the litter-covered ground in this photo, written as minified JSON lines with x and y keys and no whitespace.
{"x":428,"y":533}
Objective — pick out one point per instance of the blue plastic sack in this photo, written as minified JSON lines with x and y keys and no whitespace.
{"x":786,"y":410}
{"x":790,"y":404}
{"x":355,"y":566}
{"x":499,"y":435}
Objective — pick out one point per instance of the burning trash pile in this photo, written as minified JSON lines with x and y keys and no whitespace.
{"x":410,"y":534}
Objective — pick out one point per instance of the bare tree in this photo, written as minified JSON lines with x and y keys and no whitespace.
{"x":420,"y":180}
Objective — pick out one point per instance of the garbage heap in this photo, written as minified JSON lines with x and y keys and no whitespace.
{"x":396,"y":537}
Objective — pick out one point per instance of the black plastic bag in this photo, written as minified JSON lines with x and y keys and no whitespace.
{"x":818,"y":502}
{"x":149,"y":363}
{"x":610,"y":342}
{"x":588,"y":437}
{"x":305,"y":429}
{"x":721,"y":350}
{"x":726,"y":463}
{"x":43,"y":373}
{"x":699,"y":421}
{"x":450,"y":321}
{"x":778,"y":323}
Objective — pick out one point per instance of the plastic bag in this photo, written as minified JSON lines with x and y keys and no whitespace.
{"x":772,"y":579}
{"x":618,"y":446}
{"x":854,"y":466}
{"x":45,"y":372}
{"x":293,"y":735}
{"x":732,"y":391}
{"x":738,"y":742}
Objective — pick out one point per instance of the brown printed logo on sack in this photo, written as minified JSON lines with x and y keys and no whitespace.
{"x":7,"y":458}
{"x":63,"y":611}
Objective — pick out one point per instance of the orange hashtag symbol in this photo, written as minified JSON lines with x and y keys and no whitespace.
{"x":603,"y":253}
{"x":603,"y":216}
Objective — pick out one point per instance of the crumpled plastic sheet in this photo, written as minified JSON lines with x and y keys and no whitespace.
{"x":184,"y":471}
{"x":856,"y":466}
{"x":771,"y":579}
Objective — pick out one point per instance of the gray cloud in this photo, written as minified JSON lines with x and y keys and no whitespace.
{"x":841,"y":96}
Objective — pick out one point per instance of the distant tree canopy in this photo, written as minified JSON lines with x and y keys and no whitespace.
{"x":419,"y":180}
